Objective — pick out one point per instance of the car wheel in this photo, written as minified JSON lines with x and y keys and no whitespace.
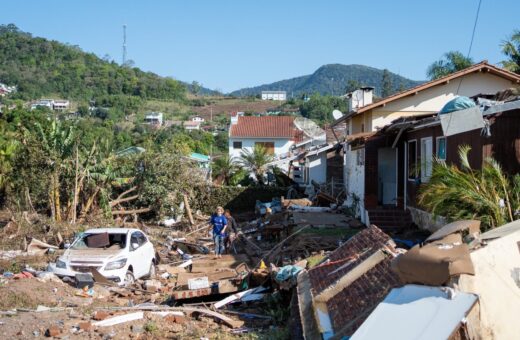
{"x":129,"y":278}
{"x":152,"y":271}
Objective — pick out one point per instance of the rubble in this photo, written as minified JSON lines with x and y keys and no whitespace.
{"x":338,"y":273}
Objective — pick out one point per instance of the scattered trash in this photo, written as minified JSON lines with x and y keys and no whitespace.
{"x":119,"y":319}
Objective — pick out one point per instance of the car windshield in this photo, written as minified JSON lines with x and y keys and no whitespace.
{"x":101,"y":240}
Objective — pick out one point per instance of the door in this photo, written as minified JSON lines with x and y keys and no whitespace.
{"x":139,"y":258}
{"x":387,"y":175}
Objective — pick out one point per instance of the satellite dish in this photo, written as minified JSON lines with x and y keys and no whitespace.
{"x":337,"y":114}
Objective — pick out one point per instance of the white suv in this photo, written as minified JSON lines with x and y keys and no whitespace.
{"x":121,"y":255}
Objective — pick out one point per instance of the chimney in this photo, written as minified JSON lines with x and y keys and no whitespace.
{"x":234,"y":117}
{"x":360,"y":97}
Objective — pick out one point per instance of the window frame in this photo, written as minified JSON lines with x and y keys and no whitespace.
{"x":423,"y":176}
{"x":414,"y":178}
{"x":437,"y":139}
{"x":237,"y":142}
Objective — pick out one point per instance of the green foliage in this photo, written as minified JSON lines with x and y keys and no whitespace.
{"x":256,"y":161}
{"x":451,"y":62}
{"x":319,"y":108}
{"x":511,"y":49}
{"x":41,"y":67}
{"x":467,"y":193}
{"x":225,"y":168}
{"x":331,"y":79}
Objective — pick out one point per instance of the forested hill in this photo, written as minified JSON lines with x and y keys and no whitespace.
{"x":334,"y":79}
{"x":41,"y":67}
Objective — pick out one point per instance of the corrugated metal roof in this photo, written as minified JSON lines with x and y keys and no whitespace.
{"x":416,"y":312}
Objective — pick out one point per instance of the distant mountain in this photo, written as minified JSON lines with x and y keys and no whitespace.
{"x":332,"y":79}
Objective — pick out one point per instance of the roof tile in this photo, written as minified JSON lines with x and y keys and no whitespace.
{"x":265,"y":127}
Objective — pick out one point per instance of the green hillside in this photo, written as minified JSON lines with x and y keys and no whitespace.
{"x":333,"y":79}
{"x":41,"y":67}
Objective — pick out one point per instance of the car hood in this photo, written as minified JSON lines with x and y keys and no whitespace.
{"x":98,"y":255}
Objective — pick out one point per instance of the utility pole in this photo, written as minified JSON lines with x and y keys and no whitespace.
{"x":124,"y":45}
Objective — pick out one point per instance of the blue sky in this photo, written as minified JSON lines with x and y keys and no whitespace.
{"x":229,"y":44}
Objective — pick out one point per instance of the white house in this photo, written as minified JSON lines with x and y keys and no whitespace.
{"x":48,"y":103}
{"x":197,"y":119}
{"x":295,"y":142}
{"x":154,"y":118}
{"x":191,"y":125}
{"x":61,"y":105}
{"x":274,"y":95}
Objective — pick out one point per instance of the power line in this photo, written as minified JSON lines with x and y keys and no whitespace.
{"x":472,"y":38}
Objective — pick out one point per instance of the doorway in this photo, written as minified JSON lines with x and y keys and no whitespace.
{"x":387,"y":176}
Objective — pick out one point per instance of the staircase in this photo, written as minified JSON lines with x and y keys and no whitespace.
{"x":390,"y":218}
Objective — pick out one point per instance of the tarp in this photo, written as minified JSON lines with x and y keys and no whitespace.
{"x":288,"y":272}
{"x":417,"y":312}
{"x":457,"y":104}
{"x":435,"y":263}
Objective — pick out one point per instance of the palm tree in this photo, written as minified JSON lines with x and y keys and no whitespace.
{"x":487,"y":194}
{"x":511,"y":48}
{"x":255,"y":161}
{"x":452,"y":61}
{"x":225,"y":167}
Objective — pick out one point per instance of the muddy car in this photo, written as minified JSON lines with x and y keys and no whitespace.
{"x":121,"y":255}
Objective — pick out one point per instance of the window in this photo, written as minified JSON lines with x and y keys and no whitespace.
{"x":360,"y":157}
{"x":426,"y":158}
{"x":362,"y":127}
{"x":268,"y":146}
{"x":412,"y":159}
{"x":137,"y":238}
{"x":441,"y":148}
{"x":237,"y":145}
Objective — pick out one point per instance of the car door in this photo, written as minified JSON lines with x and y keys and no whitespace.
{"x":136,"y":255}
{"x":142,"y":256}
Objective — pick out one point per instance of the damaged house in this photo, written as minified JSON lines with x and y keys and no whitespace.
{"x":386,"y":158}
{"x":336,"y":296}
{"x":298,"y":145}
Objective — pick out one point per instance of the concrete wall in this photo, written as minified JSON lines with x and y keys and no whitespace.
{"x":281,"y":145}
{"x":425,"y":220}
{"x":355,"y":179}
{"x":497,"y":282}
{"x":318,"y":168}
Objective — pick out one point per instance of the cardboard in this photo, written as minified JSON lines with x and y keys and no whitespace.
{"x":435,"y":263}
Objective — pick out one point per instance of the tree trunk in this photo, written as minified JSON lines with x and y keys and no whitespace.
{"x":131,"y":212}
{"x":88,"y":205}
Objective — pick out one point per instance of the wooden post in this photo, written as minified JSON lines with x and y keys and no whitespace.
{"x":188,"y":209}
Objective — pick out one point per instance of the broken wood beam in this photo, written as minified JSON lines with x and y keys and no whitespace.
{"x":230,"y":322}
{"x":131,"y":212}
{"x":188,"y":209}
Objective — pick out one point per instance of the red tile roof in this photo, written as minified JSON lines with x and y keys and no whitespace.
{"x":352,"y":305}
{"x":264,"y":127}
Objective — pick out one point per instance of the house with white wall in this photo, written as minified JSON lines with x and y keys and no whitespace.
{"x":367,"y":117}
{"x":197,"y":119}
{"x":274,"y":95}
{"x":295,"y":143}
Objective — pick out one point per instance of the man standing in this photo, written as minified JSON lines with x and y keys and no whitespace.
{"x":232,"y":225}
{"x":219,"y":223}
